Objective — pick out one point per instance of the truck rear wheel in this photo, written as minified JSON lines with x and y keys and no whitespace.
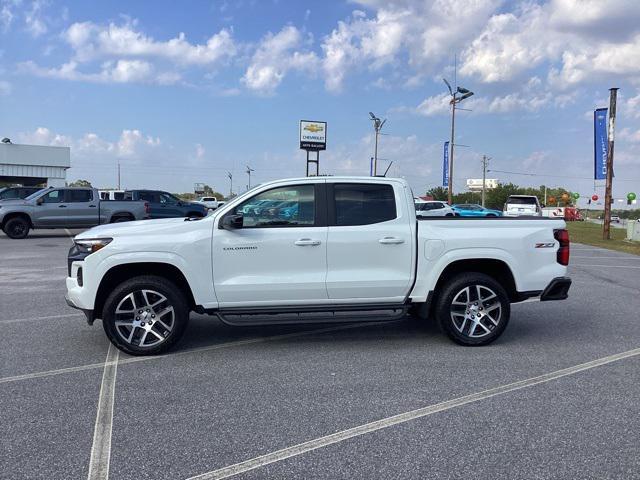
{"x":473,"y":309}
{"x":17,"y":228}
{"x":145,"y":315}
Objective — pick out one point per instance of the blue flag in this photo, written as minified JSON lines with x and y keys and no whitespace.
{"x":445,"y":165}
{"x":600,"y":143}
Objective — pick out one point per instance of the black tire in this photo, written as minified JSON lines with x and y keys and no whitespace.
{"x":449,"y":215}
{"x":165,"y":334}
{"x":491,"y":215}
{"x":17,"y":228}
{"x":120,"y":219}
{"x":492,"y":320}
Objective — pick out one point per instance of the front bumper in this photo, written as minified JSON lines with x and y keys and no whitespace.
{"x":87,"y":313}
{"x":558,"y":289}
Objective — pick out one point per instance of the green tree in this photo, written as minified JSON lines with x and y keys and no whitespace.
{"x":81,"y":183}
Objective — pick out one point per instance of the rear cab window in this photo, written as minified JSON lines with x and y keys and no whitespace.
{"x":362,"y":204}
{"x":78,"y":196}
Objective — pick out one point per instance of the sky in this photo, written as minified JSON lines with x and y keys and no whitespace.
{"x":183,"y":92}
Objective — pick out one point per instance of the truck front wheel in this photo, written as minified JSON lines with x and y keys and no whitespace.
{"x":17,"y":228}
{"x":473,"y":309}
{"x":145,"y":315}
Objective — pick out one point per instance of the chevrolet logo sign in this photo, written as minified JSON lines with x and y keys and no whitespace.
{"x":313,"y":128}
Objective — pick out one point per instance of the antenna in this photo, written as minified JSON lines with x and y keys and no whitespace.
{"x":387,"y":170}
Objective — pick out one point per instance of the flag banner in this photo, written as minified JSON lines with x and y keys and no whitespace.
{"x":445,"y":165}
{"x":600,"y":144}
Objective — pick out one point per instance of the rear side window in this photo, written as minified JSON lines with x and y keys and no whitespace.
{"x":363,"y":204}
{"x":77,"y":196}
{"x":10,"y":193}
{"x":151,"y":197}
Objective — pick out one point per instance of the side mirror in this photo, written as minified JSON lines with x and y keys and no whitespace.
{"x":231,"y":222}
{"x":40,"y":201}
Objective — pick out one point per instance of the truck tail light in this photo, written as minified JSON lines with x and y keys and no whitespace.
{"x":147,"y":208}
{"x":562,"y":236}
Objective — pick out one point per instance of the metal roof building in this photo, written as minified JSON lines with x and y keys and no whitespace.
{"x":32,"y":165}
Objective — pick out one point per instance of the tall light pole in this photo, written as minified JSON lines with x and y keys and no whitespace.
{"x":455,"y":99}
{"x":377,"y":126}
{"x":249,"y":170}
{"x":230,"y":175}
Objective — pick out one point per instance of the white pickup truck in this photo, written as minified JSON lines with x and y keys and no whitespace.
{"x":318,"y":249}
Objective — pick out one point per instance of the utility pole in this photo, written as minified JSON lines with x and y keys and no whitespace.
{"x":606,"y":233}
{"x":485,"y":161}
{"x":118,"y":175}
{"x":377,"y":126}
{"x":230,"y":175}
{"x":249,"y":170}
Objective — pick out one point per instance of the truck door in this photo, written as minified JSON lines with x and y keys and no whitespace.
{"x":82,"y":208}
{"x":370,"y":244}
{"x":273,"y":259}
{"x":50,"y":210}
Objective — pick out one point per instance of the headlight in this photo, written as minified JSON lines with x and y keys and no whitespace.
{"x":91,"y":245}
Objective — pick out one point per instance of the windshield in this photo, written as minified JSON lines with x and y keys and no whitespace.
{"x":34,"y":195}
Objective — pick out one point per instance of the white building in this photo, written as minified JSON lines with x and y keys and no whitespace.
{"x":475,"y":184}
{"x":32,"y":165}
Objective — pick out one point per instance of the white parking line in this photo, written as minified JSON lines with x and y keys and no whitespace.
{"x":91,"y":366}
{"x":101,"y":448}
{"x":343,"y":435}
{"x":47,"y":317}
{"x":621,"y":257}
{"x":610,"y":266}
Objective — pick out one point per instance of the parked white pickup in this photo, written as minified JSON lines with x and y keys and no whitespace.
{"x":314,"y":249}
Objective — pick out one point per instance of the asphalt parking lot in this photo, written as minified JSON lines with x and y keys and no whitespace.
{"x":386,"y":400}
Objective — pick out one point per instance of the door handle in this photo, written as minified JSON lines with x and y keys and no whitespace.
{"x":303,"y":242}
{"x":92,"y":206}
{"x":391,"y":240}
{"x":62,"y":206}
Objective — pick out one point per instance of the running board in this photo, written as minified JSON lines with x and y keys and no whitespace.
{"x":311,"y":314}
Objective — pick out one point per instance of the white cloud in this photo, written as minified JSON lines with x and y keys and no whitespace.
{"x":275,"y":56}
{"x":90,"y":41}
{"x":426,"y":31}
{"x":434,"y":105}
{"x":200,"y":151}
{"x":629,"y":135}
{"x":121,"y":71}
{"x":5,"y":88}
{"x":131,"y":143}
{"x":34,"y":18}
{"x":6,"y":15}
{"x":582,"y":40}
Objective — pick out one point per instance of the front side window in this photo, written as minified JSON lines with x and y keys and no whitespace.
{"x":77,"y":196}
{"x":363,"y":204}
{"x":279,"y":207}
{"x":54,"y":196}
{"x":7,"y":194}
{"x":168,"y":199}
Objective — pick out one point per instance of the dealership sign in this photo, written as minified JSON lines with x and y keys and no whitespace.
{"x":313,"y":135}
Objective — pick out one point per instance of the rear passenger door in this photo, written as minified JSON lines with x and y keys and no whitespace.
{"x":370,"y":244}
{"x":153,"y":199}
{"x":82,"y":208}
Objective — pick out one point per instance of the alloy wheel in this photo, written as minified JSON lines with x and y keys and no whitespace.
{"x":476,"y":311}
{"x":144,"y":318}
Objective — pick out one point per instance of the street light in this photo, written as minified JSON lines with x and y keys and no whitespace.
{"x":249,"y":170}
{"x":230,"y":175}
{"x":377,"y":126}
{"x":455,"y":99}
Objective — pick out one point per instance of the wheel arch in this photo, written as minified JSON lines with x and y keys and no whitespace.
{"x":494,"y":268}
{"x":121,"y":215}
{"x":11,"y":215}
{"x":120,"y":273}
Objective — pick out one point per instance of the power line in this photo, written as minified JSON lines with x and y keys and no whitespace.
{"x":557,"y":176}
